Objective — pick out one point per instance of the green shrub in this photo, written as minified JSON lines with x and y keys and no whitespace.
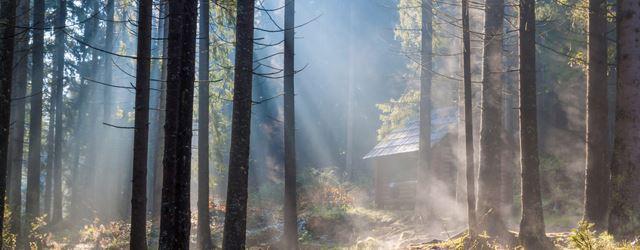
{"x":585,"y":238}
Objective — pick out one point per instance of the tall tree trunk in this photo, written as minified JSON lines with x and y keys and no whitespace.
{"x":79,"y":180}
{"x":236,"y":211}
{"x":348,"y":168}
{"x":176,"y":216}
{"x":290,"y":194}
{"x":489,"y":177}
{"x":204,"y":232}
{"x":141,"y":132}
{"x":159,"y":132}
{"x":532,"y":231}
{"x":154,"y":103}
{"x":425,"y":170}
{"x":624,"y":221}
{"x":32,"y":206}
{"x":59,"y":134}
{"x":16,"y":145}
{"x":468,"y":121}
{"x":108,"y":64}
{"x":7,"y":25}
{"x":48,"y":184}
{"x":596,"y":203}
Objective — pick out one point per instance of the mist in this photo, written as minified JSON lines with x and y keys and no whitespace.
{"x":317,"y":124}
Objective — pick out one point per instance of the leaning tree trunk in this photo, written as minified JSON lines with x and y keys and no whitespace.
{"x":532,"y":232}
{"x":468,"y":121}
{"x":489,"y":176}
{"x":624,"y":220}
{"x":7,"y":24}
{"x":32,"y":205}
{"x":16,"y":144}
{"x":236,"y":212}
{"x":425,"y":170}
{"x":56,"y":215}
{"x":141,"y":131}
{"x":596,"y":203}
{"x":290,"y":195}
{"x":204,"y":231}
{"x":176,"y":217}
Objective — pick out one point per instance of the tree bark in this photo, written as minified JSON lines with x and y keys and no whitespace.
{"x":624,"y":221}
{"x":290,"y":194}
{"x":468,"y":121}
{"x":32,"y":205}
{"x":7,"y":25}
{"x":159,"y":132}
{"x":489,"y":176}
{"x":596,"y":203}
{"x":56,"y":215}
{"x":108,"y":64}
{"x":425,"y":171}
{"x":236,"y":211}
{"x":16,"y":144}
{"x":141,"y":132}
{"x":176,"y":216}
{"x":532,"y":231}
{"x":48,"y":184}
{"x":204,"y":231}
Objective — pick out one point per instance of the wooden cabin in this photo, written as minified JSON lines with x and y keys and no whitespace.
{"x":395,"y":159}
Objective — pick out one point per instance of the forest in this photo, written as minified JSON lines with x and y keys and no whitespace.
{"x":320,"y":124}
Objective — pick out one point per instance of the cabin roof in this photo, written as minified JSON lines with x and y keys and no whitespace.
{"x":406,"y":139}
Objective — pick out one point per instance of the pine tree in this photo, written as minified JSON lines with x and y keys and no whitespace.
{"x":624,"y":221}
{"x":532,"y":231}
{"x":290,"y":194}
{"x":175,"y":221}
{"x":204,"y":232}
{"x":7,"y":24}
{"x":236,"y":211}
{"x":141,"y":132}
{"x":596,"y":203}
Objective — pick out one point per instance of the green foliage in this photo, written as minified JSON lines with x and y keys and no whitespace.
{"x":585,"y":238}
{"x":397,"y":111}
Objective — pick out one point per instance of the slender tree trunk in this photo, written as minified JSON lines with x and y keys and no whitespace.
{"x":204,"y":232}
{"x":290,"y":194}
{"x":154,"y":104}
{"x":159,"y":133}
{"x":236,"y":211}
{"x":624,"y":221}
{"x":348,"y":168}
{"x":532,"y":231}
{"x":176,"y":216}
{"x":596,"y":203}
{"x":489,"y":178}
{"x":32,"y":206}
{"x":425,"y":171}
{"x":16,"y":144}
{"x":48,"y":184}
{"x":141,"y":132}
{"x":108,"y":64}
{"x":59,"y":134}
{"x":7,"y":24}
{"x":468,"y":121}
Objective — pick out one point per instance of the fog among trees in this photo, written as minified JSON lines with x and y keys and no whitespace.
{"x":320,"y":124}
